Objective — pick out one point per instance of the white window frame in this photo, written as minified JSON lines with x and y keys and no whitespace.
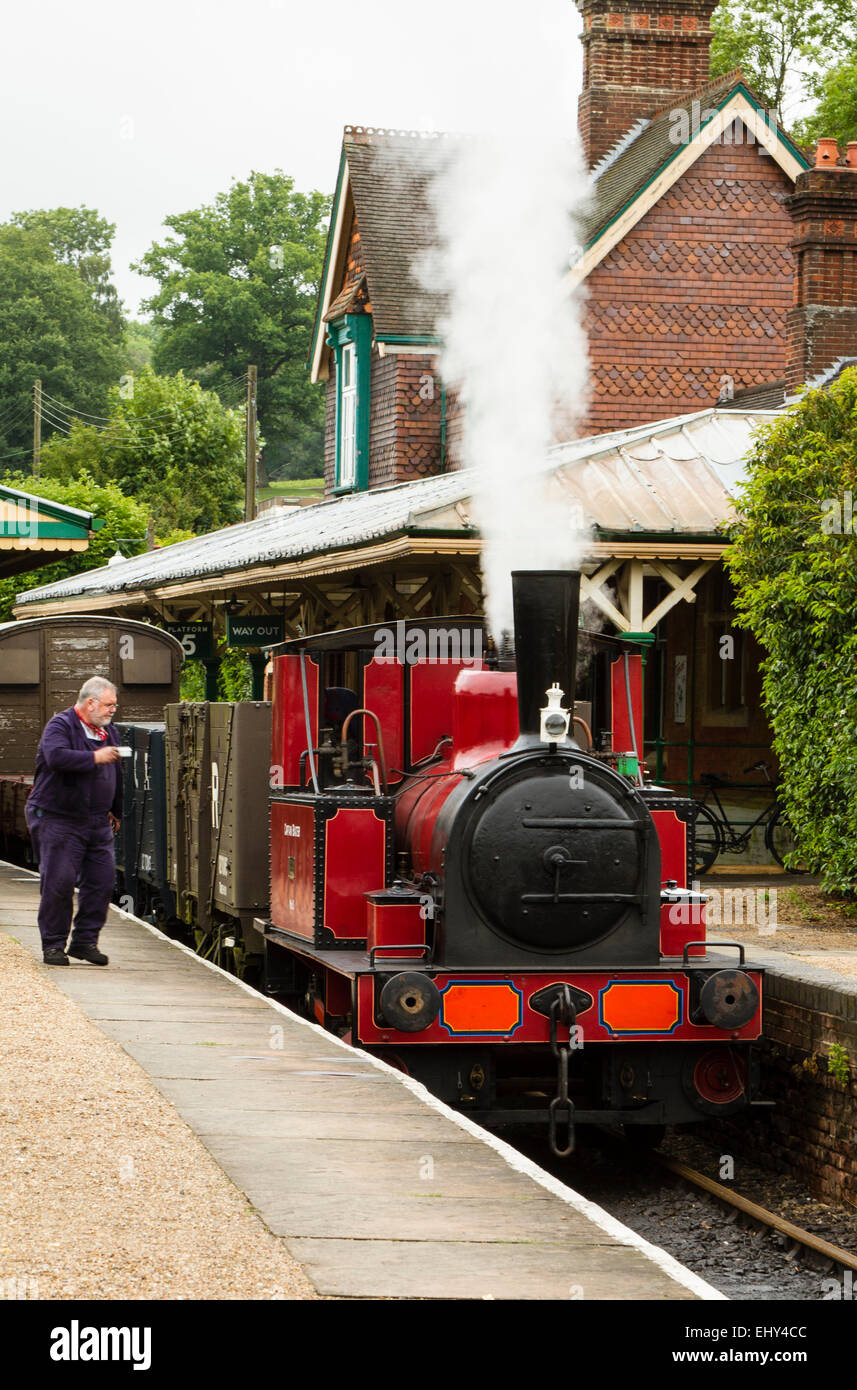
{"x":348,"y":416}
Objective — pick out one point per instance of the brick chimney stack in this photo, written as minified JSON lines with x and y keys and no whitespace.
{"x":822,"y":325}
{"x":637,"y":54}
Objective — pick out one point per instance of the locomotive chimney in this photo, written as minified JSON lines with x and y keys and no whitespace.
{"x":546,"y":606}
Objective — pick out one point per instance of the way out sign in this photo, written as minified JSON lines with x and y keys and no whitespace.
{"x":254,"y":632}
{"x":197,"y":639}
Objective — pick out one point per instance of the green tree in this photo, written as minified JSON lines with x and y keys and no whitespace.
{"x":81,"y":238}
{"x":50,"y":327}
{"x":168,"y":443}
{"x":794,"y":565}
{"x":138,"y":345}
{"x":238,"y":285}
{"x":779,"y":44}
{"x":835,"y":115}
{"x":124,"y":518}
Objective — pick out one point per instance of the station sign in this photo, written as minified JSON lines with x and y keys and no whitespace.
{"x":254,"y":632}
{"x":197,"y":639}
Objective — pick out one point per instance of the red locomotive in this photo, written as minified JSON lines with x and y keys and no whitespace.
{"x":460,"y":885}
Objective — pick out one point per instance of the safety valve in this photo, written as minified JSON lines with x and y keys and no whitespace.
{"x":555,"y":719}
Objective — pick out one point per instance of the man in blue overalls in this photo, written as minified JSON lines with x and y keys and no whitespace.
{"x":73,"y":813}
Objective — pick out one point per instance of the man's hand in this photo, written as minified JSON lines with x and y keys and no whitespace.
{"x":108,"y":754}
{"x":115,"y":822}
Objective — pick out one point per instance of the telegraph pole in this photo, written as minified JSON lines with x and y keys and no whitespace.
{"x":250,"y":456}
{"x":37,"y":427}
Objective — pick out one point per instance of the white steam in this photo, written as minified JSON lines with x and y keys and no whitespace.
{"x":505,"y":199}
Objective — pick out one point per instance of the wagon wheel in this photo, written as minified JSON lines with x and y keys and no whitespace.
{"x":707,"y":838}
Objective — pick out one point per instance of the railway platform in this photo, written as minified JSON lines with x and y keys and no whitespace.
{"x":375,"y":1188}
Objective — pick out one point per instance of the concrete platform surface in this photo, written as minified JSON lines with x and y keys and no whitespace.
{"x":377,"y":1188}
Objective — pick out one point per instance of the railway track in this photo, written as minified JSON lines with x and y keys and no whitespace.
{"x":801,"y":1239}
{"x":743,"y":1248}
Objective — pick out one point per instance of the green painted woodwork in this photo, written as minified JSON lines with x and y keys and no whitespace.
{"x":325,"y":275}
{"x":44,"y":520}
{"x":356,"y":329}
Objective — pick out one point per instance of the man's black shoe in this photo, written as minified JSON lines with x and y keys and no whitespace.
{"x":56,"y":956}
{"x":88,"y":953}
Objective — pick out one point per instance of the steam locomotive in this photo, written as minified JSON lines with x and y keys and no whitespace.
{"x":426,"y":851}
{"x":503,"y":913}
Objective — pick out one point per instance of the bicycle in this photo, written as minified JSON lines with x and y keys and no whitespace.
{"x":715,"y":834}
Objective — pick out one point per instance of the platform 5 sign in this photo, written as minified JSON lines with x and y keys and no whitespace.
{"x":254,"y":632}
{"x":197,"y":639}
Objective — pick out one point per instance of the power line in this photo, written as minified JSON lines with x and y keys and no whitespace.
{"x":13,"y":420}
{"x":72,"y":411}
{"x":16,"y":453}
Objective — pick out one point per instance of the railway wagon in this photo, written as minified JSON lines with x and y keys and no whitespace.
{"x":141,"y":845}
{"x":217,"y":772}
{"x":43,"y":664}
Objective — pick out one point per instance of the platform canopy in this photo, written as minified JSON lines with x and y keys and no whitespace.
{"x":651,"y":500}
{"x":34,"y":531}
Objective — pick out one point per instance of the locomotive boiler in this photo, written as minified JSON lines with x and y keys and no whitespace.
{"x":495,"y":905}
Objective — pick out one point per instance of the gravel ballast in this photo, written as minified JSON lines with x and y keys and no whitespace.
{"x":105,"y":1192}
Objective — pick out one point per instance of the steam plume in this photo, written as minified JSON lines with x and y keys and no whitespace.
{"x":505,"y":199}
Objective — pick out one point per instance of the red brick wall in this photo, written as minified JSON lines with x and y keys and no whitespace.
{"x":418,"y":417}
{"x":810,"y":1132}
{"x":822,"y":325}
{"x":636,"y":53}
{"x":700,"y":288}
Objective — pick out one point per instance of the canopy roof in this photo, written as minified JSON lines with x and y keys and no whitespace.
{"x":672,"y":482}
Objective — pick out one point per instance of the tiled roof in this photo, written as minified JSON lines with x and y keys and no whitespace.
{"x":770,"y":396}
{"x":350,"y":297}
{"x":390,"y":174}
{"x":626,"y":169}
{"x":677,"y":476}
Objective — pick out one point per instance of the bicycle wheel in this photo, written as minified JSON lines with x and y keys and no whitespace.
{"x":780,"y":840}
{"x":707,"y":839}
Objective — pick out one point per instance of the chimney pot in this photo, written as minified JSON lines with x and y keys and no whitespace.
{"x":851,"y":154}
{"x":827,"y":154}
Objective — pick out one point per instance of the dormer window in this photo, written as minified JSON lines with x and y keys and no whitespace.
{"x":347,"y":416}
{"x":351,"y":340}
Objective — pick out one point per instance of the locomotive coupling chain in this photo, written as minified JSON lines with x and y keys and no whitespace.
{"x":562,"y":1012}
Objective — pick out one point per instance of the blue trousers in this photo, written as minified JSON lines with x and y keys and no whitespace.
{"x":72,"y":853}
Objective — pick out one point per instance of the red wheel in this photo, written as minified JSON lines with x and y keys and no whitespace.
{"x":719,"y":1077}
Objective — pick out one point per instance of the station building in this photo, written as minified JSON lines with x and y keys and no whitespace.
{"x":720,"y":264}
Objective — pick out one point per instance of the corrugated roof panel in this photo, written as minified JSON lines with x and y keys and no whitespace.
{"x":677,"y":475}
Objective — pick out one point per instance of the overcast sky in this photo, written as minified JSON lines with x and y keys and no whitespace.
{"x":145,"y":109}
